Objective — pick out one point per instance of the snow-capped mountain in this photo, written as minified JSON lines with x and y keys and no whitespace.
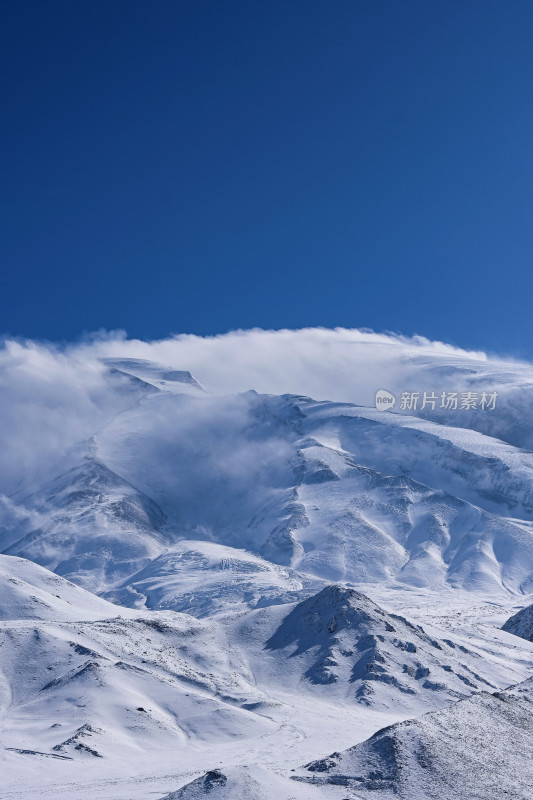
{"x":147,"y":375}
{"x":92,"y":526}
{"x":341,"y":637}
{"x":335,"y":492}
{"x":233,"y":585}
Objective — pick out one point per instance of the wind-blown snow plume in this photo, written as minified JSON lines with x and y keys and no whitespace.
{"x":52,"y":397}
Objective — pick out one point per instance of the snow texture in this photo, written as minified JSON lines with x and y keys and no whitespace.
{"x":200,"y":593}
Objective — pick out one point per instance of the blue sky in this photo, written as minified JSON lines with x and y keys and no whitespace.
{"x":205,"y":166}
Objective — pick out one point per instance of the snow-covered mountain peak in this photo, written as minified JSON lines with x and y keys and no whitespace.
{"x":87,"y":524}
{"x":156,"y":375}
{"x":333,"y":610}
{"x":354,"y":650}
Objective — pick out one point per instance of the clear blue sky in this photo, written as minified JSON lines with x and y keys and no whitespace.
{"x":201,"y":166}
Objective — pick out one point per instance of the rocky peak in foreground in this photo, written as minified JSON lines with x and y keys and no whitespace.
{"x":521,"y":624}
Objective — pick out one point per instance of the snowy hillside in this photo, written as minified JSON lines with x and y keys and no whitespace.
{"x":97,"y":689}
{"x":207,"y":590}
{"x":203,"y":578}
{"x":92,"y":526}
{"x":29,"y":592}
{"x":341,"y":637}
{"x":521,"y":624}
{"x":450,"y":754}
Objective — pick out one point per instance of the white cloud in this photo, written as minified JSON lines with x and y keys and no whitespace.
{"x":337,"y":364}
{"x":53,"y":397}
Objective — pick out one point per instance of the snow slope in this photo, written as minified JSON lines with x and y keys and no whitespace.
{"x":450,"y":754}
{"x":88,"y":525}
{"x":204,"y":578}
{"x":29,"y":592}
{"x":521,"y":624}
{"x":79,"y":684}
{"x":245,"y":783}
{"x":335,"y":492}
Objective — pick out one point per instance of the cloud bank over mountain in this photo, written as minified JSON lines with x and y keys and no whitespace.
{"x":54,"y":396}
